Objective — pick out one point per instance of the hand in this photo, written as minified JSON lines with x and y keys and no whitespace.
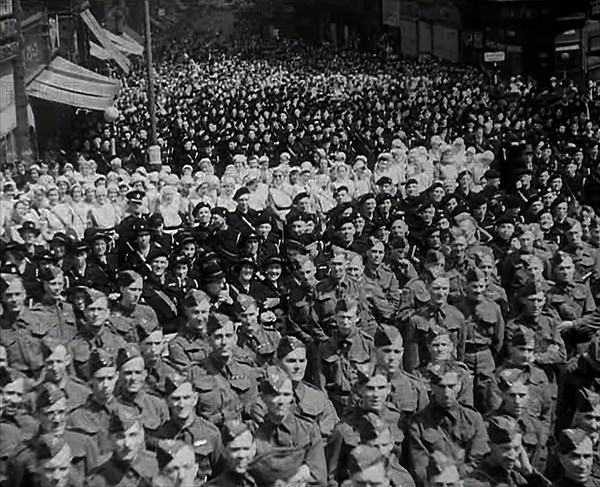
{"x":268,"y":317}
{"x":271,"y":303}
{"x":301,"y":476}
{"x":565,"y":326}
{"x":224,"y":297}
{"x":523,"y":465}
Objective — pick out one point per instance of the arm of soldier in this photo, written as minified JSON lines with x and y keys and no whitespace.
{"x":556,"y":352}
{"x":411,"y":342}
{"x":315,"y":467}
{"x":329,"y":419}
{"x":418,"y":455}
{"x":498,"y":338}
{"x":462,"y":340}
{"x":177,"y":355}
{"x":393,"y":293}
{"x":479,"y":446}
{"x":92,"y":455}
{"x":589,"y":323}
{"x":382,"y":307}
{"x":333,"y":453}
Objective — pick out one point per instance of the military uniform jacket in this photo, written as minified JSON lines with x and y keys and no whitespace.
{"x":465,"y":395}
{"x":346,"y":437}
{"x":295,"y":431}
{"x":21,"y":347}
{"x":485,"y":325}
{"x":491,"y":476}
{"x":187,"y":348}
{"x":409,"y":394}
{"x":388,"y":281}
{"x":231,"y":479}
{"x":302,"y":319}
{"x":124,"y":320}
{"x":114,"y":473}
{"x":153,"y":409}
{"x":459,"y":433}
{"x":571,"y":300}
{"x":52,"y":320}
{"x":315,"y":405}
{"x":564,"y":482}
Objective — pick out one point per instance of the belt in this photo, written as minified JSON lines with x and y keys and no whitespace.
{"x":476,"y":347}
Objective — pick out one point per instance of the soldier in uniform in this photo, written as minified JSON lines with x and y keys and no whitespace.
{"x":368,"y":466}
{"x":442,"y":470}
{"x":239,"y":449}
{"x":130,"y":465}
{"x":132,"y":390}
{"x":585,"y":257}
{"x":407,"y":392}
{"x":95,"y":332}
{"x":152,"y":346}
{"x":485,"y":333}
{"x":184,"y":425}
{"x":438,"y":312}
{"x":254,"y":338}
{"x":457,"y":265}
{"x":177,"y":465}
{"x":576,"y":455}
{"x":310,"y":402}
{"x":381,"y":273}
{"x":189,"y":345}
{"x":446,"y":425}
{"x":372,"y":389}
{"x":53,"y":463}
{"x":16,"y":425}
{"x":507,"y":462}
{"x":283,"y":428}
{"x":128,"y":311}
{"x":342,"y":353}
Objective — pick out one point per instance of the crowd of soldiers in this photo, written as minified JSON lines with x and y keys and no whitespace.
{"x":347,"y":271}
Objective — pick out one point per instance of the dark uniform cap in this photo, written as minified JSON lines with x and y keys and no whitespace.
{"x":174,"y":380}
{"x":166,"y":450}
{"x":383,"y":197}
{"x":156,"y":220}
{"x":491,"y":174}
{"x":587,"y":400}
{"x":185,"y":238}
{"x":462,"y":174}
{"x":241,"y":192}
{"x":438,"y":463}
{"x":93,"y":295}
{"x":48,"y":395}
{"x":509,"y":377}
{"x":434,"y":257}
{"x":212,"y":272}
{"x":505,"y":219}
{"x":363,"y":457}
{"x":14,"y":247}
{"x":60,"y":237}
{"x":141,"y":227}
{"x":502,"y":429}
{"x":300,"y":196}
{"x":439,"y":370}
{"x":49,"y":273}
{"x":231,"y":430}
{"x":474,"y":275}
{"x":345,"y":304}
{"x":386,"y":335}
{"x":570,"y":439}
{"x":127,"y":278}
{"x":435,"y":331}
{"x":522,"y":336}
{"x":127,"y":353}
{"x":216,"y":321}
{"x":48,"y":345}
{"x":410,"y":181}
{"x":100,"y":359}
{"x":29,"y":226}
{"x":136,"y":197}
{"x":47,"y":446}
{"x":593,"y":351}
{"x":370,"y":427}
{"x":560,"y":257}
{"x":47,"y":255}
{"x":122,"y":418}
{"x":273,"y":380}
{"x":92,"y":234}
{"x":279,"y":464}
{"x":219,"y":210}
{"x":194,"y":298}
{"x":8,"y":376}
{"x":530,"y":288}
{"x":366,"y":371}
{"x":272,"y":260}
{"x":145,"y":328}
{"x":156,"y":253}
{"x":80,"y":247}
{"x":287,"y":345}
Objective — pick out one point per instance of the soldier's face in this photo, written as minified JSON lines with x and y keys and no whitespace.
{"x":159,"y":265}
{"x":14,"y":297}
{"x":152,"y":347}
{"x":589,"y":422}
{"x":132,"y":375}
{"x":294,"y":364}
{"x":243,"y":203}
{"x":132,"y":293}
{"x":384,"y":443}
{"x":97,"y":313}
{"x":374,"y":476}
{"x":249,"y":317}
{"x":279,"y":403}
{"x":223,"y":340}
{"x":575,"y":236}
{"x":55,"y":472}
{"x":441,"y":348}
{"x":459,"y":248}
{"x":103,"y":383}
{"x":338,"y":267}
{"x":577,"y":465}
{"x":346,"y":321}
{"x":12,"y":397}
{"x":273,"y":272}
{"x":355,"y":268}
{"x":374,"y":393}
{"x":182,"y":470}
{"x":56,"y":286}
{"x":439,"y":291}
{"x":197,"y":316}
{"x":565,"y":271}
{"x":377,"y":254}
{"x":240,"y":452}
{"x":100,"y":247}
{"x":487,"y":267}
{"x":445,"y":392}
{"x":390,"y":356}
{"x":306,"y":273}
{"x":506,"y":455}
{"x":522,"y":354}
{"x":182,"y":401}
{"x":476,"y":290}
{"x":534,"y":304}
{"x":515,"y":399}
{"x":127,"y":444}
{"x":56,"y":364}
{"x":53,"y":419}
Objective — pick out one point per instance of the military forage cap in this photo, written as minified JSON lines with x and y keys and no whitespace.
{"x":48,"y":395}
{"x":502,"y":429}
{"x":276,"y":465}
{"x":273,"y":380}
{"x":127,"y":278}
{"x":522,"y":336}
{"x":49,"y":273}
{"x":438,"y":463}
{"x":440,"y":369}
{"x":215,"y":322}
{"x":232,"y":429}
{"x":363,"y":457}
{"x":593,"y":351}
{"x":174,"y":381}
{"x":49,"y":345}
{"x":166,"y":450}
{"x":509,"y":377}
{"x":127,"y":353}
{"x":370,"y":427}
{"x":435,"y":331}
{"x":123,"y":418}
{"x":287,"y":345}
{"x":100,"y":359}
{"x":48,"y":446}
{"x":386,"y":335}
{"x":587,"y":400}
{"x":570,"y":439}
{"x":531,"y":288}
{"x":475,"y":275}
{"x":194,"y":298}
{"x":8,"y":376}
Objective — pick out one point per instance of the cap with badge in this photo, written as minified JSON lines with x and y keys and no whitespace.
{"x":136,"y":197}
{"x":587,"y":400}
{"x":122,"y":419}
{"x":212,"y":272}
{"x":216,"y":321}
{"x":48,"y":446}
{"x":100,"y":359}
{"x":521,"y":335}
{"x":287,"y":345}
{"x":49,"y":345}
{"x":232,"y":429}
{"x":48,"y":395}
{"x":167,"y":450}
{"x":531,"y":288}
{"x":273,"y":380}
{"x":241,"y":192}
{"x":29,"y":226}
{"x":49,"y":273}
{"x":127,"y":278}
{"x":276,"y":466}
{"x":174,"y":381}
{"x":475,"y":275}
{"x":570,"y":439}
{"x":386,"y":335}
{"x":507,"y":378}
{"x":363,"y":457}
{"x":129,"y":352}
{"x":502,"y":429}
{"x":140,"y":227}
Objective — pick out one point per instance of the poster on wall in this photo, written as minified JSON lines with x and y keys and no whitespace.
{"x":390,"y":12}
{"x":446,"y":43}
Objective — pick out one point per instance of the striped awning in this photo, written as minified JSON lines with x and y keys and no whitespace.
{"x":65,"y":82}
{"x":126,"y":44}
{"x":8,"y":111}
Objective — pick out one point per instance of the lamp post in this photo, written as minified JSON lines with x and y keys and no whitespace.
{"x":150,"y":73}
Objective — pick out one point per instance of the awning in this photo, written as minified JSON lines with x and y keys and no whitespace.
{"x":99,"y":52}
{"x":106,"y":43}
{"x":8,"y":110}
{"x":126,"y":44}
{"x":65,"y":82}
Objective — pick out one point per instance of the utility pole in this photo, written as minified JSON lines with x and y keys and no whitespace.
{"x":150,"y":69}
{"x":23,"y":142}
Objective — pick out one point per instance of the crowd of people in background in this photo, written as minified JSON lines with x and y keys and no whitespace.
{"x":346,"y":269}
